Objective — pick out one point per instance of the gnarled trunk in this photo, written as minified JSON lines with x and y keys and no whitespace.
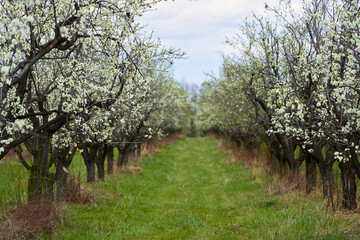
{"x":89,"y":153}
{"x":100,"y":161}
{"x":125,"y":153}
{"x":310,"y":174}
{"x":62,"y":160}
{"x":131,"y":153}
{"x":325,"y":167}
{"x":138,"y":150}
{"x":40,"y":182}
{"x":61,"y":186}
{"x":120,"y":158}
{"x":110,"y":159}
{"x":326,"y":171}
{"x":348,"y":185}
{"x":90,"y":172}
{"x":289,"y":156}
{"x":328,"y":180}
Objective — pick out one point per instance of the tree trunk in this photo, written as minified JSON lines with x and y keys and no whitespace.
{"x":125,"y":159}
{"x":90,"y":172}
{"x":355,"y":161}
{"x":328,"y":180}
{"x":273,"y":160}
{"x":278,"y":153}
{"x":61,"y":187}
{"x":348,"y":185}
{"x":125,"y":154}
{"x":110,"y":160}
{"x":62,"y":160}
{"x":138,"y":150}
{"x":89,"y":153}
{"x":325,"y":167}
{"x":101,"y":170}
{"x":120,"y":158}
{"x":293,"y":163}
{"x":100,"y":161}
{"x":131,"y":153}
{"x":284,"y":167}
{"x":40,"y":182}
{"x":288,"y":152}
{"x":34,"y":185}
{"x":310,"y":174}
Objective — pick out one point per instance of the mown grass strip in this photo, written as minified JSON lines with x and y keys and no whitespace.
{"x":191,"y":190}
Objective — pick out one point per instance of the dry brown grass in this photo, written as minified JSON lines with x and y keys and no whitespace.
{"x":12,"y":156}
{"x":258,"y":161}
{"x":27,"y":220}
{"x":75,"y":193}
{"x":255,"y":159}
{"x":154,"y":145}
{"x":292,"y":188}
{"x":133,"y":165}
{"x":288,"y":184}
{"x":247,"y":156}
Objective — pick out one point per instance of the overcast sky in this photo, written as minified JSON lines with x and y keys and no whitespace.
{"x":200,"y":27}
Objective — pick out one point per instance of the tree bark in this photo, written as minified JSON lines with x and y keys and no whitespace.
{"x":89,"y":153}
{"x":326,"y":172}
{"x":328,"y":180}
{"x":101,"y":170}
{"x":90,"y":172}
{"x":110,"y":160}
{"x":130,"y":153}
{"x":120,"y":158}
{"x":40,"y":182}
{"x":277,"y":152}
{"x":138,"y":150}
{"x":34,"y":185}
{"x":325,"y":167}
{"x":289,"y":155}
{"x":355,"y":161}
{"x":310,"y":174}
{"x":124,"y":154}
{"x":100,"y":161}
{"x":61,"y":187}
{"x":348,"y":185}
{"x":62,"y":160}
{"x":126,"y":157}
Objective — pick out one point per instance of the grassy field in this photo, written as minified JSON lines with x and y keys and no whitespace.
{"x":192,"y":190}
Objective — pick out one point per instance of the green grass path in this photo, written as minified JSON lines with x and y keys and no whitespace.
{"x":190,"y":190}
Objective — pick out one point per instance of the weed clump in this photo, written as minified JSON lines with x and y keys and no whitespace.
{"x":152,"y":146}
{"x":28,"y":220}
{"x":288,"y":184}
{"x":75,"y":194}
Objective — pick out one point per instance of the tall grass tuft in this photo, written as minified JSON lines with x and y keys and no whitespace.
{"x":13,"y":187}
{"x":75,"y":193}
{"x":27,"y":220}
{"x":152,"y":146}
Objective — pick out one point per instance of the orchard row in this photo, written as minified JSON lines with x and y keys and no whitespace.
{"x":81,"y":76}
{"x":295,"y":85}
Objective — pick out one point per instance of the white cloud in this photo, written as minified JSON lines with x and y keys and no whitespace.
{"x":200,"y":28}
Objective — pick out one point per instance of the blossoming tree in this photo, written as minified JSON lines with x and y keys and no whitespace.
{"x":59,"y":61}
